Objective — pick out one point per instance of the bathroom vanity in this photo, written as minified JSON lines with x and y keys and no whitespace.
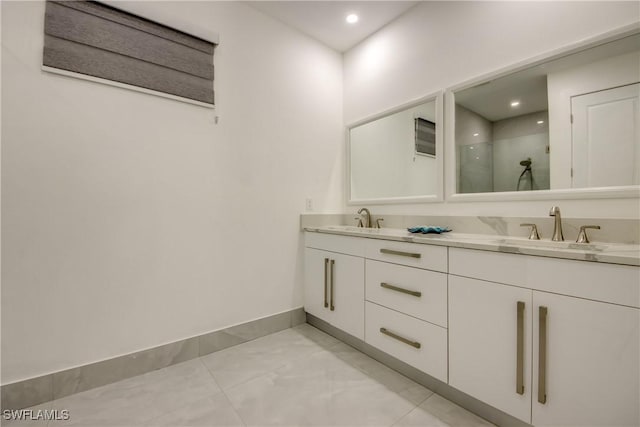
{"x":547,"y":332}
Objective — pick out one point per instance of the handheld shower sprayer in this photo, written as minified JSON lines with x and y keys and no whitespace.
{"x":527,"y":168}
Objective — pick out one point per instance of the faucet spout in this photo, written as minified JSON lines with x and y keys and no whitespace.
{"x":557,"y":227}
{"x":367,"y":217}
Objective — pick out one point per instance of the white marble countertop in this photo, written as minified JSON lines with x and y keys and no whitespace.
{"x":596,"y":252}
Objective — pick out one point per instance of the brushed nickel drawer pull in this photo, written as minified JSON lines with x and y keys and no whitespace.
{"x":520,"y":348}
{"x":404,"y":291}
{"x":407,"y":254}
{"x":542,"y":355}
{"x":332,"y":306}
{"x":326,"y":264}
{"x":399,"y":338}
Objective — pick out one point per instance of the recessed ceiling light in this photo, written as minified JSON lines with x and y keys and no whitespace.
{"x":352,"y":18}
{"x":476,"y":134}
{"x":540,"y":122}
{"x":515,"y":103}
{"x":470,"y":148}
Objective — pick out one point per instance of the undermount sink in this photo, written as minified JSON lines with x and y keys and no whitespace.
{"x":351,"y":228}
{"x":553,"y":245}
{"x":395,"y":232}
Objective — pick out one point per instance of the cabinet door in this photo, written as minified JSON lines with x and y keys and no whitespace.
{"x":316,"y":282}
{"x":346,"y":294}
{"x":334,"y":289}
{"x":591,"y":364}
{"x":489,"y":354}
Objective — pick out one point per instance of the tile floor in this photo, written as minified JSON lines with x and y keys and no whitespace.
{"x":296,"y":377}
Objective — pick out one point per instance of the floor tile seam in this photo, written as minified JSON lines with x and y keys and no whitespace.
{"x":273,"y":370}
{"x":213,"y":378}
{"x":263,"y":374}
{"x":224,"y":389}
{"x":362,"y":370}
{"x":395,"y":423}
{"x":207,"y":394}
{"x":235,"y":410}
{"x":428,"y":397}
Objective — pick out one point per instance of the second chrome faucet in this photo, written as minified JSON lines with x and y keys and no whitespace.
{"x":364,"y":218}
{"x":557,"y":225}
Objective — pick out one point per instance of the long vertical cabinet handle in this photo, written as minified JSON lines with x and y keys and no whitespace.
{"x":520,"y":348}
{"x":326,"y":264}
{"x":332,"y":307}
{"x":542,"y":355}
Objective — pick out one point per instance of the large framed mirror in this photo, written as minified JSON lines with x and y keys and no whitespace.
{"x":397,"y":156}
{"x":564,"y":125}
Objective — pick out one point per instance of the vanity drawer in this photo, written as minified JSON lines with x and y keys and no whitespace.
{"x":618,"y":284}
{"x":497,"y":267}
{"x":411,"y":254}
{"x":415,"y":342}
{"x":333,"y":243}
{"x":416,"y":292}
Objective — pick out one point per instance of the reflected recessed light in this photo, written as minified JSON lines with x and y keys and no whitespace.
{"x":477,"y":158}
{"x":470,"y":148}
{"x":352,"y":18}
{"x":540,"y":122}
{"x":476,"y":134}
{"x":515,"y":103}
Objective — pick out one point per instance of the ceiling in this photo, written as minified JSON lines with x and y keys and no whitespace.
{"x":325,"y":20}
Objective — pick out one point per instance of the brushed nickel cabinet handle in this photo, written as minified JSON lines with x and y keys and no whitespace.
{"x":399,"y":338}
{"x":326,"y":264}
{"x":520,"y":348}
{"x":404,"y":291}
{"x":392,"y":252}
{"x":332,"y":306}
{"x":542,"y":355}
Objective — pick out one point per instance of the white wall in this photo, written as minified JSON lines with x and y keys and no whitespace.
{"x":130,"y":220}
{"x":439,"y":44}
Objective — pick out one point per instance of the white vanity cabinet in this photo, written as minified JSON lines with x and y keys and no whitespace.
{"x":334,"y":281}
{"x":406,"y":295}
{"x":483,"y":343}
{"x":591,"y":363}
{"x":406,"y":308}
{"x":545,"y":358}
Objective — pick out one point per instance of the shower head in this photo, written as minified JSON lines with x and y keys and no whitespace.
{"x":526,"y":163}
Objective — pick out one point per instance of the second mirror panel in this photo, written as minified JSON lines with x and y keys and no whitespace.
{"x":572,"y":122}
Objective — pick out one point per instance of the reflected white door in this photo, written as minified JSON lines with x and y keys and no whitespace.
{"x":606,"y":137}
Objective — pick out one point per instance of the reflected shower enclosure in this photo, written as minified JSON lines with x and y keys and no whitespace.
{"x":492,"y":151}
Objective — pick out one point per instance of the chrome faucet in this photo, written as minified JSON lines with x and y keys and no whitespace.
{"x":557,"y":227}
{"x":367,"y":217}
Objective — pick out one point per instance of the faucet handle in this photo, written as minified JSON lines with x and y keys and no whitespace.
{"x":378,"y":222}
{"x":359,"y":221}
{"x":582,"y":235}
{"x":533,"y":235}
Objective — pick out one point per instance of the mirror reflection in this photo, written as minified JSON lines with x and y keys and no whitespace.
{"x":573,"y":122}
{"x":395,"y":155}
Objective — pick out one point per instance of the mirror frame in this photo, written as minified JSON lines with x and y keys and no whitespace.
{"x":438,"y":98}
{"x":619,"y":192}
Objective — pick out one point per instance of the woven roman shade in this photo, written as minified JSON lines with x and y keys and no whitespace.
{"x":97,"y":40}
